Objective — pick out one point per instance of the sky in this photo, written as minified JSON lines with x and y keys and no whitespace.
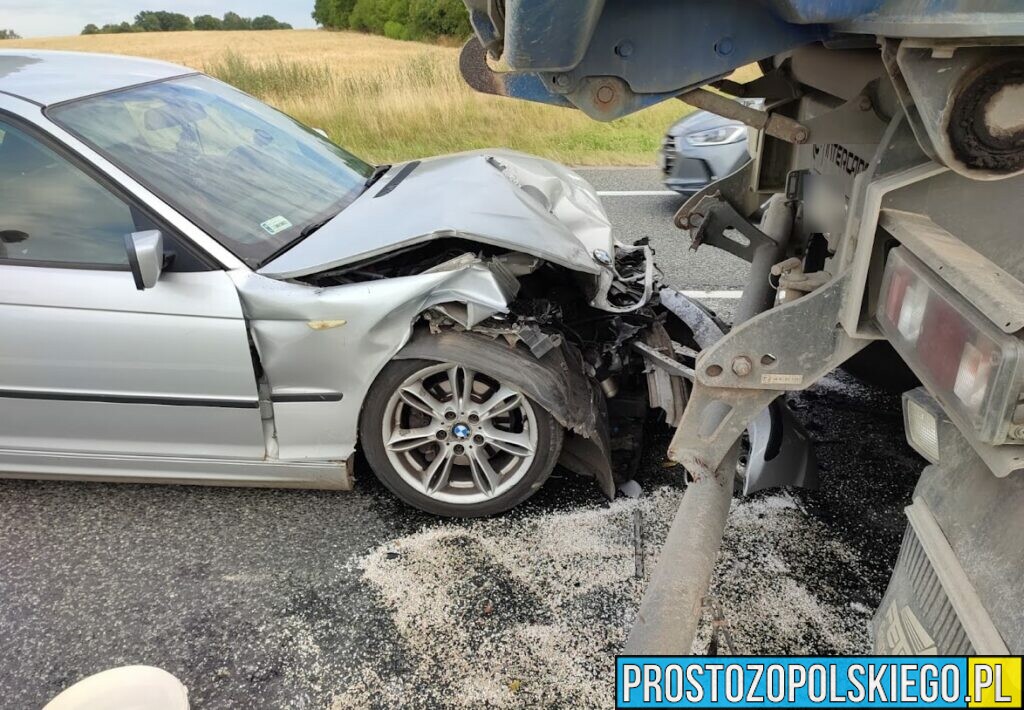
{"x":46,"y":18}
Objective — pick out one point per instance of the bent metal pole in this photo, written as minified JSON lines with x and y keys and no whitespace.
{"x":671,"y":608}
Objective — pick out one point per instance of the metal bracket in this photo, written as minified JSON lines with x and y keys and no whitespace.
{"x":716,"y":222}
{"x":712,"y":423}
{"x":488,"y":20}
{"x":789,"y":347}
{"x":479,"y":75}
{"x":851,"y":123}
{"x":736,"y":188}
{"x":774,"y":124}
{"x":609,"y":60}
{"x":776,"y":85}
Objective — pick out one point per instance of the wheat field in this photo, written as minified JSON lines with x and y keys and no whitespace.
{"x":387,"y":100}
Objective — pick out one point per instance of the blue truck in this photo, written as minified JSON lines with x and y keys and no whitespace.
{"x":889,"y":153}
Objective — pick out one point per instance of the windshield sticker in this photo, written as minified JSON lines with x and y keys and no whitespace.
{"x":275,"y":225}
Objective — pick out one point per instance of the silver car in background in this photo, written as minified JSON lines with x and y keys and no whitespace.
{"x":701,"y":148}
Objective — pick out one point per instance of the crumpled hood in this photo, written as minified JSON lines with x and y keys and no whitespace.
{"x":495,"y":197}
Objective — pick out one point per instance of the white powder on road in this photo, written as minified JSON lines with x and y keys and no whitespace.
{"x":532,"y":610}
{"x":504,"y":612}
{"x":774,"y":606}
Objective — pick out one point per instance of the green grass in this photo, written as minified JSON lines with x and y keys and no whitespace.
{"x":277,"y":77}
{"x":422,"y":107}
{"x":389,"y":100}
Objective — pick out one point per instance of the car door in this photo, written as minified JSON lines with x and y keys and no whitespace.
{"x":88,"y":362}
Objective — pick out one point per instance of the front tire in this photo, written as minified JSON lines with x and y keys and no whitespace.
{"x":456,"y":442}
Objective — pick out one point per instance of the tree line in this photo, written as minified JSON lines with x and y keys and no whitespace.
{"x":163,"y":21}
{"x":398,"y":19}
{"x":9,"y":34}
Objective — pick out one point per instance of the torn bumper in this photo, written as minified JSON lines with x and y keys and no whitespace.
{"x":627,"y":282}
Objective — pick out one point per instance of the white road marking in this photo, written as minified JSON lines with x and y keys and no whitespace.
{"x":636,"y":193}
{"x":725,"y":295}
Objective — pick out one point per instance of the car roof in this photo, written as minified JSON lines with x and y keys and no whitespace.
{"x":48,"y":77}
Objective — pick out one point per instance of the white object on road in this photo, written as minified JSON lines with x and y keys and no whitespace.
{"x":637,"y":193}
{"x":631,"y":489}
{"x":126,"y":688}
{"x":724,"y":295}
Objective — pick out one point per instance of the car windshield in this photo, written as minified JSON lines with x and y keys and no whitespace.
{"x":252,"y":177}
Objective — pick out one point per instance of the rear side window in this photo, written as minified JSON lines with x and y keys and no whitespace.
{"x":51,"y":211}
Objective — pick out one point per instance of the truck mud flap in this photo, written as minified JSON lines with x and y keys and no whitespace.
{"x":781,"y":453}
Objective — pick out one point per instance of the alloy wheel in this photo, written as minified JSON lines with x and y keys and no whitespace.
{"x":458,"y":435}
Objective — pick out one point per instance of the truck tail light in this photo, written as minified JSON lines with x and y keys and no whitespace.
{"x":911,"y":309}
{"x":968,"y":364}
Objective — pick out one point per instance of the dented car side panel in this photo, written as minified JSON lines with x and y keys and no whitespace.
{"x":321,"y":348}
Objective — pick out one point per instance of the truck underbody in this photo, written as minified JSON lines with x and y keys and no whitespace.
{"x":886,"y":163}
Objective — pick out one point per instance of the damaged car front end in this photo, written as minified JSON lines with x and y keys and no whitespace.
{"x":507,"y":265}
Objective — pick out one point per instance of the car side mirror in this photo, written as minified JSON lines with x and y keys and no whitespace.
{"x":145,"y":256}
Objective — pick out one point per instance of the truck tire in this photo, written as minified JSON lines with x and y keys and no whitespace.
{"x":881,"y":366}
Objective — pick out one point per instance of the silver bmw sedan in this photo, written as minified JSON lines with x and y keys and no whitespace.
{"x":196,"y":288}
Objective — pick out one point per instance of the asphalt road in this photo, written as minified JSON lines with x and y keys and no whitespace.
{"x":282,"y":599}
